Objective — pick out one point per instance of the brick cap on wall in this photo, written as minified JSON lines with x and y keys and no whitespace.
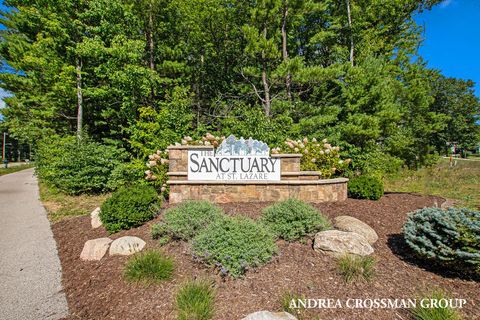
{"x":249,"y":182}
{"x":189,"y":147}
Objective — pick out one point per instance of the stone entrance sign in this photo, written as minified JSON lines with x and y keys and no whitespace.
{"x":244,"y":171}
{"x":234,"y":160}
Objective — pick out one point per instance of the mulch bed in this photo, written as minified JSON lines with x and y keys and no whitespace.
{"x":97,"y":290}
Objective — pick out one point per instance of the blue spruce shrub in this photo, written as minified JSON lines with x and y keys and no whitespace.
{"x":448,"y":238}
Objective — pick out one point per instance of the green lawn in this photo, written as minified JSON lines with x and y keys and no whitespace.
{"x":60,"y":205}
{"x":461,"y":182}
{"x":8,"y":170}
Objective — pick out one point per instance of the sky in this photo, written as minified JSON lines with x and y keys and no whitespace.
{"x":451,"y":40}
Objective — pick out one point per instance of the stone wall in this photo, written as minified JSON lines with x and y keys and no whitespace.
{"x":303,"y":185}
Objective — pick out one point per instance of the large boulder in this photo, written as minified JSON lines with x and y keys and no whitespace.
{"x":351,"y":224}
{"x":126,"y":246}
{"x":267,"y":315}
{"x":95,"y":218}
{"x":338,"y":243}
{"x":95,"y":249}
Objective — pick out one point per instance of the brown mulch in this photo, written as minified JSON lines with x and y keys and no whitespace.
{"x":97,"y":290}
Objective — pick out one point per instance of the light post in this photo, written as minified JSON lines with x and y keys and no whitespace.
{"x":5,"y":161}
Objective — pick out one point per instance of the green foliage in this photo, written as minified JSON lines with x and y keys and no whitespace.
{"x":448,"y":238}
{"x":129,"y":207}
{"x":316,"y":156}
{"x":373,"y":163}
{"x":429,"y":312}
{"x":74,"y":166}
{"x":187,"y":219}
{"x":147,"y":74}
{"x":441,"y":179}
{"x":353,"y":268}
{"x":195,"y":300}
{"x":293,"y":219}
{"x":233,"y":245}
{"x":365,"y":187}
{"x":127,"y":173}
{"x":159,"y":127}
{"x":252,"y":122}
{"x":149,"y":266}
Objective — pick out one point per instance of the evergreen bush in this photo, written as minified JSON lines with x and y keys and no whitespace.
{"x":129,"y":207}
{"x":449,"y":238}
{"x":293,"y":219}
{"x":234,"y":245}
{"x":74,"y":166}
{"x":127,"y":173}
{"x":365,"y":187}
{"x":186,"y":220}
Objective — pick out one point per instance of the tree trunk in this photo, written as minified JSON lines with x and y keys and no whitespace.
{"x":288,"y":78}
{"x":79,"y":99}
{"x":151,"y":50}
{"x":266,"y":88}
{"x":349,"y":15}
{"x":151,"y":45}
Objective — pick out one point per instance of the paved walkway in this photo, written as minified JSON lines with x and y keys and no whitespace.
{"x":30,"y":271}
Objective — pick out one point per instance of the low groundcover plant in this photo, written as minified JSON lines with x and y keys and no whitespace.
{"x":233,"y":245}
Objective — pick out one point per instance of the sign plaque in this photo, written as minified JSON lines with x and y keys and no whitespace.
{"x":234,"y":160}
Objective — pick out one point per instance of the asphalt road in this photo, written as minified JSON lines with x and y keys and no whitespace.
{"x":30,"y":271}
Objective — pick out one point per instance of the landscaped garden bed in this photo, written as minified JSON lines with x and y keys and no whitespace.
{"x":99,"y":290}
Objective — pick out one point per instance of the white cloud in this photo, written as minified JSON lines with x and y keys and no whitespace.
{"x":445,"y":3}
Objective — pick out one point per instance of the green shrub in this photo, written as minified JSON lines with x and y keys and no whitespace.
{"x":293,"y":219}
{"x":353,"y":268}
{"x":234,"y":244}
{"x":149,"y":266}
{"x":365,"y":187}
{"x":74,"y":166}
{"x":129,"y":207}
{"x":427,"y":312}
{"x":186,"y":220}
{"x":448,"y":238}
{"x":195,"y":301}
{"x":127,"y":173}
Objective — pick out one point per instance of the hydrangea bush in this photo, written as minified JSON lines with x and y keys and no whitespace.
{"x":157,"y":163}
{"x":448,"y":238}
{"x":316,"y":156}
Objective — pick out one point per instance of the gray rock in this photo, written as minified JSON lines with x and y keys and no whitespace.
{"x":338,"y":243}
{"x":126,"y":246}
{"x":267,"y":315}
{"x":95,"y":249}
{"x":351,"y":224}
{"x":95,"y":218}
